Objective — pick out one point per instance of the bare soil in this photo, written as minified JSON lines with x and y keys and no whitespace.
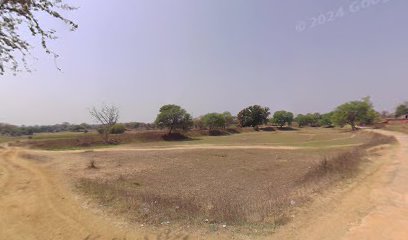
{"x":372,"y":206}
{"x":36,"y":201}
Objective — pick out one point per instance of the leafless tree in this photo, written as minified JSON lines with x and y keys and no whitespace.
{"x":107,"y":116}
{"x":19,"y":15}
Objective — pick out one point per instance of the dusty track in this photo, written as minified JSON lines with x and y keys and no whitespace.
{"x":200,"y":147}
{"x":35,"y":204}
{"x":375,"y":206}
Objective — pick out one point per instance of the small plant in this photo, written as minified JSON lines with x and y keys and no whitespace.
{"x":92,"y":164}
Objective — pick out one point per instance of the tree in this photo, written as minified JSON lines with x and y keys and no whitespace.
{"x":313,"y":119}
{"x":198,"y":123}
{"x":282,"y":117}
{"x":401,"y":110}
{"x":302,"y":120}
{"x":310,"y":119}
{"x":229,"y":119}
{"x":214,"y":120}
{"x":107,"y":116}
{"x":355,"y":112}
{"x":18,"y":14}
{"x":253,"y":116}
{"x":173,"y":117}
{"x":326,"y":120}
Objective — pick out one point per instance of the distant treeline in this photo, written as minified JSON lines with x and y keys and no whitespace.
{"x":173,"y":117}
{"x":13,"y":130}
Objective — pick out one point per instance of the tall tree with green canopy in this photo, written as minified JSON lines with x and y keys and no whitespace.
{"x":282,"y":117}
{"x":355,"y":112}
{"x":17,"y":16}
{"x":173,"y":117}
{"x":253,"y":116}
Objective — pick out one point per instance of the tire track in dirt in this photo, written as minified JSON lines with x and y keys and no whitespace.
{"x":4,"y":175}
{"x":33,"y":206}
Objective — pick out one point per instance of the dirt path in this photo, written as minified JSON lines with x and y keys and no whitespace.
{"x":35,"y":204}
{"x":199,"y":147}
{"x":374,"y":206}
{"x":389,"y":195}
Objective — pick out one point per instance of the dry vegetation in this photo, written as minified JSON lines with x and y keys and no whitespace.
{"x":397,"y":127}
{"x":63,"y":141}
{"x":214,"y":187}
{"x":307,"y":137}
{"x":245,"y":189}
{"x":345,"y":164}
{"x":191,"y":186}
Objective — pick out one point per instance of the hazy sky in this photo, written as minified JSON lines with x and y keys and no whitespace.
{"x":214,"y":56}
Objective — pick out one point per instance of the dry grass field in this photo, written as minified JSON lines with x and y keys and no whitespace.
{"x":208,"y":182}
{"x":397,"y":127}
{"x":311,"y":137}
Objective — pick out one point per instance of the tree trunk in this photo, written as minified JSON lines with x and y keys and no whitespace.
{"x":353,"y":126}
{"x":106,"y":136}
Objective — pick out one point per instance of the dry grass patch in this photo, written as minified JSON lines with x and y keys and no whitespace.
{"x":234,"y":187}
{"x":346,"y":164}
{"x":397,"y":127}
{"x":221,"y":186}
{"x":201,"y":186}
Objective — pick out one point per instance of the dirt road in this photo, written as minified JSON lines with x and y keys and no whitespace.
{"x":374,"y":206}
{"x":389,"y":196}
{"x":199,"y":147}
{"x":36,"y":204}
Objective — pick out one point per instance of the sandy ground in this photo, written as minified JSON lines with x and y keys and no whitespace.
{"x":35,"y":203}
{"x":35,"y":206}
{"x":375,"y":206}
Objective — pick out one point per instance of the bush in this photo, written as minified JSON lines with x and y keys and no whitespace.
{"x":118,"y":129}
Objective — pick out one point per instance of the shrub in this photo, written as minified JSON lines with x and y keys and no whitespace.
{"x":118,"y":129}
